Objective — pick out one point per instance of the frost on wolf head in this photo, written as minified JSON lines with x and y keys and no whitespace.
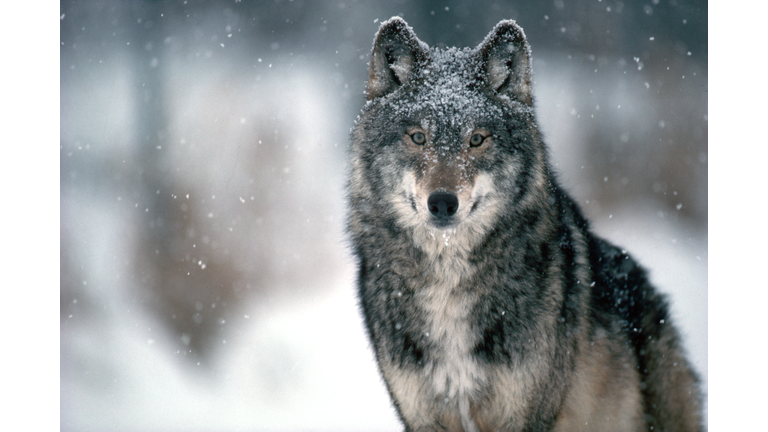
{"x":454,"y":88}
{"x":397,"y":52}
{"x":450,"y":95}
{"x":500,"y":65}
{"x":507,"y":59}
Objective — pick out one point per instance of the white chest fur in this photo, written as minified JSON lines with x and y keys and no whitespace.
{"x":444,"y":388}
{"x":453,"y":371}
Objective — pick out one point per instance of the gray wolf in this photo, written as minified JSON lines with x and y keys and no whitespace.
{"x":489,"y":303}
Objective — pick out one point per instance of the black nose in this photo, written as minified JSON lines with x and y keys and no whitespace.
{"x":443,"y":204}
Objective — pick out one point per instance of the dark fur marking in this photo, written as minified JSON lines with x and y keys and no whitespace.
{"x":411,"y":353}
{"x":492,"y":347}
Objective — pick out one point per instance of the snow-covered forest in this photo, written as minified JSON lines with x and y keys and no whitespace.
{"x":206,"y":282}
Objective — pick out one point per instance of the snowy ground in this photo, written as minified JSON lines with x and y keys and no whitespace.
{"x":333,"y":381}
{"x":306,"y":365}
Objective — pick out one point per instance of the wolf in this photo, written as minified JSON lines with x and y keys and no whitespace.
{"x":489,"y":303}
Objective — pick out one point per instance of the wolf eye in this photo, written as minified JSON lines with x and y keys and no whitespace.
{"x":418,"y":138}
{"x":476,"y":139}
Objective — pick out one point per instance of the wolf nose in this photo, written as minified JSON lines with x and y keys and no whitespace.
{"x":443,"y":204}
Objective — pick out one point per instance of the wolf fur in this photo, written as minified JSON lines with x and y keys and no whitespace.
{"x":489,"y":303}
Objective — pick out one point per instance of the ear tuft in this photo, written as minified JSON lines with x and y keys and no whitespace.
{"x":396,"y":55}
{"x":505,"y":62}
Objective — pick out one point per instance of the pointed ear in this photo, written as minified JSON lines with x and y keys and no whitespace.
{"x":396,"y":55}
{"x":505,"y":62}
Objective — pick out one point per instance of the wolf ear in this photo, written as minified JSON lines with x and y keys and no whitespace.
{"x":397,"y":52}
{"x":505,"y":62}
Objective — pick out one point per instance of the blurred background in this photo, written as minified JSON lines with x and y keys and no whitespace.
{"x":206,"y":283}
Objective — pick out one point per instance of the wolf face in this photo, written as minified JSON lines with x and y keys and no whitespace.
{"x":457,"y":145}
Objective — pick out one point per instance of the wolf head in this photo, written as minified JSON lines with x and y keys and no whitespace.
{"x":446,"y":147}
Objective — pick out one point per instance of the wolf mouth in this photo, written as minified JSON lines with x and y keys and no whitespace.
{"x":443,"y":223}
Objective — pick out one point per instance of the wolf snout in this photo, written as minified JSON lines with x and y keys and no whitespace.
{"x":443,"y":205}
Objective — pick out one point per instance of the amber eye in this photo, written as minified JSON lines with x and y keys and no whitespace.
{"x":418,"y":138}
{"x":476,"y":139}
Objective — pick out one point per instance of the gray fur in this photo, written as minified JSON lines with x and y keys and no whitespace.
{"x":489,"y":303}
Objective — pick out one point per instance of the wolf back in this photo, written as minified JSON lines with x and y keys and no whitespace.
{"x":489,"y":303}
